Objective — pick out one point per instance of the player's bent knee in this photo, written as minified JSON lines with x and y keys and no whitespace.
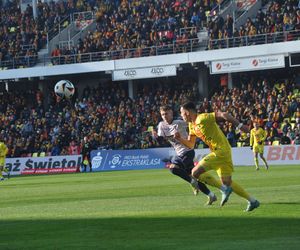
{"x":173,"y":168}
{"x":197,"y":171}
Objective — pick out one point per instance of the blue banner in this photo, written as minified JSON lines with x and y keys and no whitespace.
{"x":107,"y":160}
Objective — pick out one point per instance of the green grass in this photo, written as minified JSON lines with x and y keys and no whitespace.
{"x":149,"y":209}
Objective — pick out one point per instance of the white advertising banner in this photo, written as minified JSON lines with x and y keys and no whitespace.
{"x":141,"y":73}
{"x":43,"y":165}
{"x":247,"y":64}
{"x":275,"y":155}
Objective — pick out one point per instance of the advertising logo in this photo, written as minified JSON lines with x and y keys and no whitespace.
{"x":218,"y":66}
{"x":97,"y":160}
{"x":254,"y":62}
{"x":130,"y":73}
{"x":115,"y":161}
{"x":157,"y":71}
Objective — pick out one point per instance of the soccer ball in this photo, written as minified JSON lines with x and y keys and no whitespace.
{"x":64,"y":89}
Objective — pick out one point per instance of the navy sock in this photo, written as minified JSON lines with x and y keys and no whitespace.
{"x":185,"y":176}
{"x":203,"y":188}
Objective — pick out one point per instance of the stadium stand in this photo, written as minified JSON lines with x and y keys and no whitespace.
{"x":128,"y":29}
{"x":122,"y":123}
{"x":22,"y":35}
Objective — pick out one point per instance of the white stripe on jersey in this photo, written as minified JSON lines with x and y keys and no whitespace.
{"x":168,"y":130}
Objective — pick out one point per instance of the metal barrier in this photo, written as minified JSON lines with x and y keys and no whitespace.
{"x":276,"y":37}
{"x":63,"y":23}
{"x":66,"y":44}
{"x":182,"y":46}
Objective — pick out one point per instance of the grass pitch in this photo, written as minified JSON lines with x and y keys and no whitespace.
{"x":149,"y":209}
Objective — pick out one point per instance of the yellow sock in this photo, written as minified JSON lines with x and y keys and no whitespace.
{"x":239,"y":190}
{"x":265,"y":162}
{"x":256,"y":162}
{"x":210,"y":180}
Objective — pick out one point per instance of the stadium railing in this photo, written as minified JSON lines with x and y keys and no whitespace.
{"x":276,"y":37}
{"x":189,"y":45}
{"x":63,"y":23}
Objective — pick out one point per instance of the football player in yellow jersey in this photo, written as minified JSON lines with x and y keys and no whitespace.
{"x":183,"y":162}
{"x":3,"y":152}
{"x":205,"y":127}
{"x":257,"y":140}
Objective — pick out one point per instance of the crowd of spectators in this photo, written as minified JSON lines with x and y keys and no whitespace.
{"x":276,"y":106}
{"x":20,"y":38}
{"x":106,"y":118}
{"x":131,"y":28}
{"x":105,"y":115}
{"x":279,"y":16}
{"x":22,"y":35}
{"x":121,"y":25}
{"x":128,"y":29}
{"x":136,"y":28}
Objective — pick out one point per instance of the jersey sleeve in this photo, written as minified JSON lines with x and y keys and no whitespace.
{"x":159,"y":130}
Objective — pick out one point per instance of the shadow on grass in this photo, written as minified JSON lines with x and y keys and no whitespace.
{"x":285,"y":203}
{"x":152,"y":233}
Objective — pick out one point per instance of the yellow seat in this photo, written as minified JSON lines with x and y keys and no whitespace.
{"x":275,"y":143}
{"x":35,"y":154}
{"x":293,"y":124}
{"x":239,"y":144}
{"x":42,"y":154}
{"x":150,"y":129}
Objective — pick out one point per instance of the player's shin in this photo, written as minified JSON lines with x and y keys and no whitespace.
{"x":210,"y":180}
{"x":240,"y":191}
{"x":1,"y":175}
{"x":256,"y":163}
{"x":264,"y":161}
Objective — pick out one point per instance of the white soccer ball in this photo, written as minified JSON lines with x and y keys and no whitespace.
{"x":64,"y":89}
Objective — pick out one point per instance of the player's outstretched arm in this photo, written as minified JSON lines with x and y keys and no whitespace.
{"x":189,"y":142}
{"x":221,"y":116}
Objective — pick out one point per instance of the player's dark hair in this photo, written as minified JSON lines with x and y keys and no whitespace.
{"x":165,"y":108}
{"x":189,"y":106}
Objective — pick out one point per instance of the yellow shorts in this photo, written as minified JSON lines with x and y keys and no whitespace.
{"x":2,"y":162}
{"x":220,"y":162}
{"x":258,"y":149}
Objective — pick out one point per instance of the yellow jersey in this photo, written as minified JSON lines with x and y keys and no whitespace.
{"x":206,"y":128}
{"x":3,"y":149}
{"x":257,"y":136}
